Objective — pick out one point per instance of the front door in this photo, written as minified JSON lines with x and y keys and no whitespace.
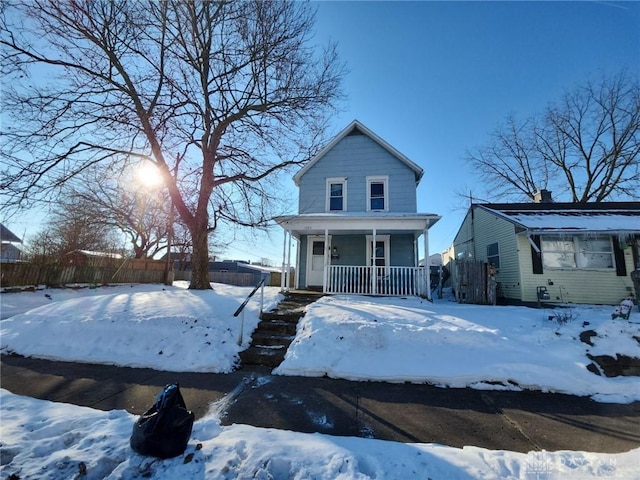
{"x":315,"y":262}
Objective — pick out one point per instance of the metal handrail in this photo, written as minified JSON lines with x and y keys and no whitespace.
{"x":240,"y":309}
{"x":246,"y":300}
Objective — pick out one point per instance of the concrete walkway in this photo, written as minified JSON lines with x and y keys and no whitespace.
{"x":518,"y":421}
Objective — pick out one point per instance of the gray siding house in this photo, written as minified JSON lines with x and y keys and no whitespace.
{"x":357,"y":227}
{"x":9,"y":250}
{"x":581,"y":253}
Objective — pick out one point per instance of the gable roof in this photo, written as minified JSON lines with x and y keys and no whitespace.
{"x":611,"y":217}
{"x":7,"y":235}
{"x":351,"y":129}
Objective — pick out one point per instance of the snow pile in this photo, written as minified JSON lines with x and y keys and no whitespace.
{"x":449,"y":344}
{"x":351,"y":337}
{"x":170,"y":329}
{"x":52,"y":441}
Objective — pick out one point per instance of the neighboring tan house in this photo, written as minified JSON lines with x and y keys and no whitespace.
{"x":581,"y":253}
{"x":357,"y":226}
{"x":9,"y":250}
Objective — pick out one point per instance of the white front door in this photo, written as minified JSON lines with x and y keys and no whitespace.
{"x":315,"y":261}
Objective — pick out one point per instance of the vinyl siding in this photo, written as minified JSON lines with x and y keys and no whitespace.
{"x":490,"y":229}
{"x":575,"y":286}
{"x":356,"y":157}
{"x":353,"y":251}
{"x":463,"y":243}
{"x":402,"y":251}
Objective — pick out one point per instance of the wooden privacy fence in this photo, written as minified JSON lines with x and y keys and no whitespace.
{"x":474,"y":282}
{"x":234,"y":278}
{"x":122,"y":271}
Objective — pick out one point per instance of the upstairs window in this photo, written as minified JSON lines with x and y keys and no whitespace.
{"x":336,"y":195}
{"x":377,"y":194}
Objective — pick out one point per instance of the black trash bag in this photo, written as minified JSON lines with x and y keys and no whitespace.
{"x":163,"y":431}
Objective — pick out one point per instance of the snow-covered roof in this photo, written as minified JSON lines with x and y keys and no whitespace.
{"x":620,"y":217}
{"x":91,"y":253}
{"x":356,"y":125}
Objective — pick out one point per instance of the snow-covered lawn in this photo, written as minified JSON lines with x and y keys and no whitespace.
{"x":172,"y":328}
{"x":153,"y":326}
{"x":456,"y":345}
{"x":352,"y":337}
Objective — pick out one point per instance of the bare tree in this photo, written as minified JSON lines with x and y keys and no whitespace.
{"x":140,"y":212}
{"x":219,"y":95}
{"x":586,"y":147}
{"x":68,"y":229}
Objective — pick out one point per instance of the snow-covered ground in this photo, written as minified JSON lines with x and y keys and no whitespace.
{"x":48,"y":441}
{"x":172,"y":328}
{"x":456,"y":345}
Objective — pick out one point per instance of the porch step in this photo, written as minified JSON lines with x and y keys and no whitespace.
{"x":262,"y":355}
{"x":276,"y":331}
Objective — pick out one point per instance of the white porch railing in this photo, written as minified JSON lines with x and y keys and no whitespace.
{"x":388,"y":281}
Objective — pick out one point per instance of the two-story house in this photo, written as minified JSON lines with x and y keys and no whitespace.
{"x":357,"y":226}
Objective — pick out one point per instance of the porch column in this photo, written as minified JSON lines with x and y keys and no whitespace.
{"x":374,"y":280}
{"x":416,"y":254}
{"x":288,"y":279}
{"x":325,"y":269}
{"x":284,"y":256}
{"x":426,"y":262}
{"x":297,"y":279}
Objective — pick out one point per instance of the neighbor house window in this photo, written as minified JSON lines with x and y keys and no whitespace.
{"x":378,"y":194}
{"x":577,"y":252}
{"x":493,"y":255}
{"x":336,"y":195}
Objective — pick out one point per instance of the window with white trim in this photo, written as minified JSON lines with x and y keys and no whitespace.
{"x":378,"y":194}
{"x":580,"y":252}
{"x":336,"y":195}
{"x":378,"y":256}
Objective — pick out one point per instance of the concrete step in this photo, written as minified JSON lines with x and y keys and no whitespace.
{"x":277,"y":327}
{"x":271,"y":339}
{"x":281,"y":317}
{"x":269,"y":356}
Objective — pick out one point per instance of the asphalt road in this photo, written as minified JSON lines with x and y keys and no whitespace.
{"x":517,"y":421}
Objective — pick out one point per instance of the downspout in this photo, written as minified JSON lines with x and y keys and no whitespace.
{"x":533,"y":244}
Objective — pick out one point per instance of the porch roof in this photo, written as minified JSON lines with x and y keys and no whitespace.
{"x":357,"y":223}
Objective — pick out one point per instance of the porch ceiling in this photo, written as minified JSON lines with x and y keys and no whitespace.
{"x":345,"y":223}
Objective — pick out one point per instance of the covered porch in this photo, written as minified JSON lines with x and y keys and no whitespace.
{"x":366,"y":254}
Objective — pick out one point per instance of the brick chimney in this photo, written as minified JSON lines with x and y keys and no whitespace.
{"x":542,"y":196}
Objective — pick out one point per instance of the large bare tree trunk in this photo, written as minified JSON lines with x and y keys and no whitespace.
{"x":200,"y":256}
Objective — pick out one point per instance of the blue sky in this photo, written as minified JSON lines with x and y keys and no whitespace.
{"x":433,"y":79}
